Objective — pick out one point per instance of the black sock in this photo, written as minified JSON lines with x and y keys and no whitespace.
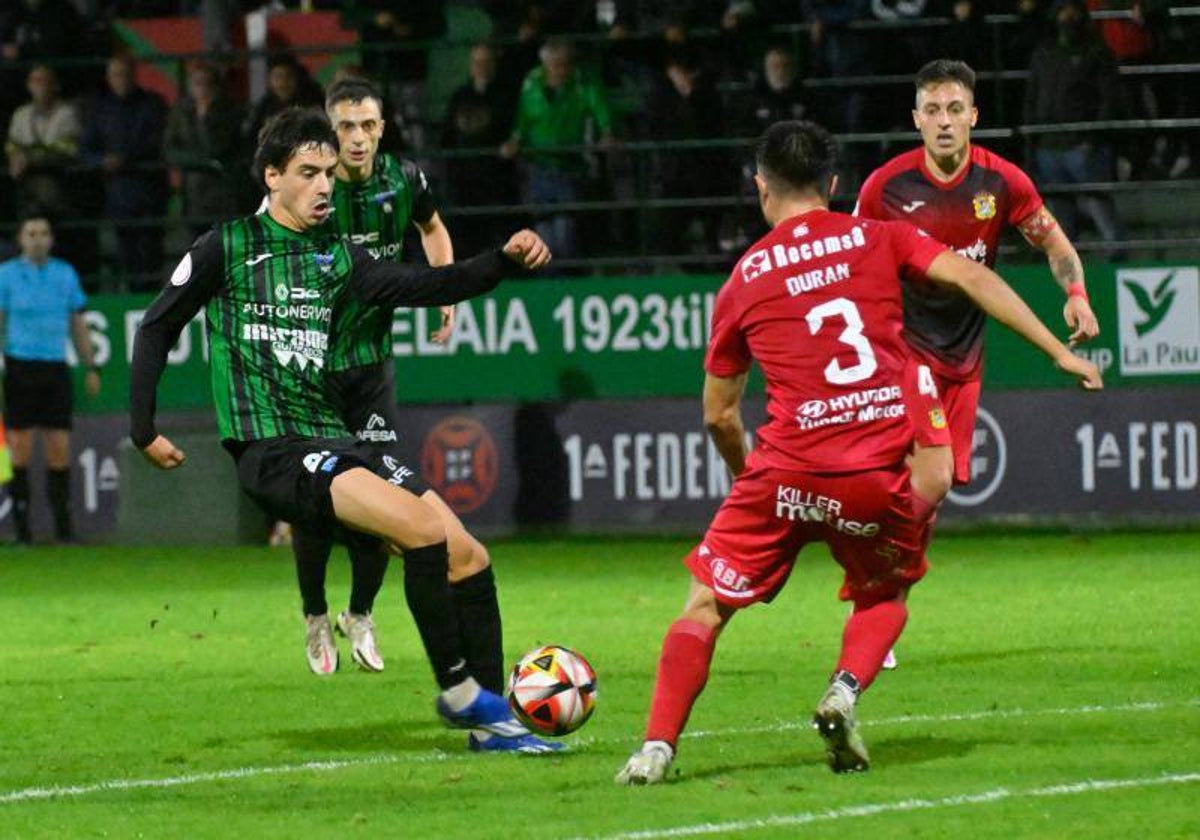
{"x":432,"y":608}
{"x":58,"y":489}
{"x":19,"y":490}
{"x":480,"y":629}
{"x":312,"y":556}
{"x":367,"y":568}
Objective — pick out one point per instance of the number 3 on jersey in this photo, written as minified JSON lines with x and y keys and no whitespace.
{"x":852,"y":335}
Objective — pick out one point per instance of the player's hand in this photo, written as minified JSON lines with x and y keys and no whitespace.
{"x":1081,"y":319}
{"x":527,"y":248}
{"x":442,"y":334}
{"x":91,"y":383}
{"x":164,"y":454}
{"x":1086,"y":372}
{"x":509,"y":149}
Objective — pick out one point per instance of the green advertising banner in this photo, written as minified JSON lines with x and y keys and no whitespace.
{"x":632,"y":337}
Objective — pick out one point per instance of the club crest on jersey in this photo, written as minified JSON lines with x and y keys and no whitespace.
{"x":324,"y":262}
{"x":281,"y":292}
{"x":384,"y":200}
{"x":937,"y":418}
{"x":985,"y":205}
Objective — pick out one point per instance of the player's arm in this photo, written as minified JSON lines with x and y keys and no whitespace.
{"x":439,"y":250}
{"x":1043,"y":232}
{"x":391,"y":284}
{"x":723,"y":418}
{"x":996,"y":298}
{"x":435,"y":238}
{"x":81,"y":337}
{"x":193,"y":283}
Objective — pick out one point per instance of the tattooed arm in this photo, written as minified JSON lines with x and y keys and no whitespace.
{"x":1042,"y":231}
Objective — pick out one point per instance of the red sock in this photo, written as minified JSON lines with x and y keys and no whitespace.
{"x":682,"y":672}
{"x":925,"y":515}
{"x":868,"y":636}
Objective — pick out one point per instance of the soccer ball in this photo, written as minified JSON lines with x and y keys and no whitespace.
{"x":552,"y":690}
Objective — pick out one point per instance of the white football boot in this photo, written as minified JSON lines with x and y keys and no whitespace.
{"x":360,"y":630}
{"x":647,"y":766}
{"x":889,"y":661}
{"x":835,"y":721}
{"x":319,"y":647}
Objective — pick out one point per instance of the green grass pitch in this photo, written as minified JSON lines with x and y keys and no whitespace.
{"x":1049,"y":686}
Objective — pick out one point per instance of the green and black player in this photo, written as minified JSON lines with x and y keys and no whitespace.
{"x":376,"y":198}
{"x":271,"y":286}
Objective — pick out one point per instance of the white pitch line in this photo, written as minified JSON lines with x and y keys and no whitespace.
{"x":873,"y":809}
{"x":27,"y":794}
{"x":64,"y":791}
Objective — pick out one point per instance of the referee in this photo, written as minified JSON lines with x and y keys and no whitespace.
{"x":40,"y":302}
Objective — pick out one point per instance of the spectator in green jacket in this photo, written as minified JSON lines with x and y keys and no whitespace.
{"x":557,"y":107}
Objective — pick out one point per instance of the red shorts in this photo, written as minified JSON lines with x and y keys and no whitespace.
{"x":865,"y":518}
{"x":943,"y":413}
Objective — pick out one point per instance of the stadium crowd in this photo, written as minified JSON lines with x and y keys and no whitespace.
{"x":565,"y":104}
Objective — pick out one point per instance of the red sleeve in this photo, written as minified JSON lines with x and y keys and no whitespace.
{"x":728,"y":354}
{"x":1024,"y":200}
{"x":870,"y":197}
{"x":914,"y":248}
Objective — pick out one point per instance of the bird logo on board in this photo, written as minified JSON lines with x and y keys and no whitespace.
{"x":985,"y":205}
{"x":324,"y":261}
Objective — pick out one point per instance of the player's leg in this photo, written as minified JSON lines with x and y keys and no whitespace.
{"x":746,"y":557}
{"x":931,"y":462}
{"x":683,"y":667}
{"x":477,"y":608}
{"x":58,"y":481}
{"x":57,"y":406}
{"x":879,"y":569}
{"x":365,"y":397}
{"x":311,"y":551}
{"x":23,"y":389}
{"x":368,"y":566}
{"x":367,"y":503}
{"x":20,"y":446}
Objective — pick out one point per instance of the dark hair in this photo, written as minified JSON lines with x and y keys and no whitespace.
{"x":286,"y":133}
{"x":946,"y":70}
{"x":354,"y":89}
{"x":797,"y":155}
{"x":32,"y":213}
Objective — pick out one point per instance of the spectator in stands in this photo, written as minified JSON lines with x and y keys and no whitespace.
{"x":1072,"y":78}
{"x":778,"y":94}
{"x":966,"y":38}
{"x":35,"y":30}
{"x":557,"y":107}
{"x":43,"y":140}
{"x":396,"y":37}
{"x":479,"y":116}
{"x":203,"y":139}
{"x":840,"y":50}
{"x":687,"y":107}
{"x":288,"y":83}
{"x":123,"y":136}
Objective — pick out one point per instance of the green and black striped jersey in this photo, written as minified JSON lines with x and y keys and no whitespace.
{"x":375,"y":213}
{"x":270,"y":296}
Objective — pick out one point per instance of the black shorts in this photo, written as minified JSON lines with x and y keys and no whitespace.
{"x":37,"y":394}
{"x":365,"y":399}
{"x":290,"y":477}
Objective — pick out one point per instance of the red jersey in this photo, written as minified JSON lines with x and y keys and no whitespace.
{"x":968,"y":214}
{"x":817,"y":303}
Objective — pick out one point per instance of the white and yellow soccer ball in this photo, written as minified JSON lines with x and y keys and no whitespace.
{"x":552,"y":690}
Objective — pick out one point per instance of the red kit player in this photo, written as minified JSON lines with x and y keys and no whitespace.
{"x":817,"y":303}
{"x":965,"y":196}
